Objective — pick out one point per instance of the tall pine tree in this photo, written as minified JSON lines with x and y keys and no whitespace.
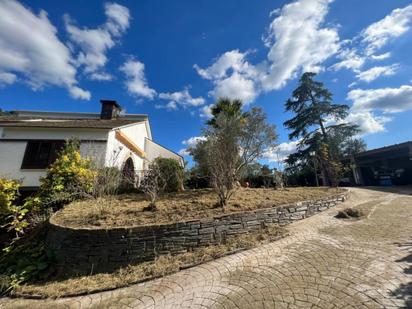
{"x":312,"y":105}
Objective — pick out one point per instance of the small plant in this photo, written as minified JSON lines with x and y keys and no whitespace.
{"x":150,"y":184}
{"x":349,"y":213}
{"x":107,"y":181}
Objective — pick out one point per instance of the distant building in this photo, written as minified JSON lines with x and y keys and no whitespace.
{"x":30,"y":141}
{"x":391,"y":165}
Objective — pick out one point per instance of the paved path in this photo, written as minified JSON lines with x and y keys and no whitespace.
{"x":325,"y":263}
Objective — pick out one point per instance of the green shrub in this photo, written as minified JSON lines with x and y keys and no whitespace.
{"x":27,"y":259}
{"x":171,"y":174}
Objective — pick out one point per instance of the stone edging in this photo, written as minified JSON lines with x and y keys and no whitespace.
{"x":104,"y":250}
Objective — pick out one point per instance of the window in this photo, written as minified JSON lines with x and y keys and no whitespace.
{"x":40,"y":154}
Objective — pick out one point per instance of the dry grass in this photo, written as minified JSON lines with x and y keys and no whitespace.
{"x":349,"y":213}
{"x":128,"y":210}
{"x":163,"y":265}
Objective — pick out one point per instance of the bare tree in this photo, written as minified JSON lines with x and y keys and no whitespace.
{"x":234,"y":141}
{"x":108,"y":178}
{"x":223,"y":156}
{"x":279,"y":180}
{"x":151,"y":184}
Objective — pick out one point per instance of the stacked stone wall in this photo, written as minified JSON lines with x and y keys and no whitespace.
{"x":103,"y":250}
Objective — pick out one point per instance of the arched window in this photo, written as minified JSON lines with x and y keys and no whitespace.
{"x":128,"y":173}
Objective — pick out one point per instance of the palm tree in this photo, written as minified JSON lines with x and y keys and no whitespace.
{"x":231,"y":108}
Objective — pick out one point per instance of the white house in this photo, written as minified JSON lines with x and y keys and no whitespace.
{"x":30,"y":140}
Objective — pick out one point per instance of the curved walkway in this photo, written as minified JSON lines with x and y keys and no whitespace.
{"x":325,"y":263}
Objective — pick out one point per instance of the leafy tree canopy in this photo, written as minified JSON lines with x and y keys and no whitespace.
{"x":312,"y":104}
{"x":319,"y":123}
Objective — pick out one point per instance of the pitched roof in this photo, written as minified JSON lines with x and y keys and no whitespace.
{"x":14,"y":121}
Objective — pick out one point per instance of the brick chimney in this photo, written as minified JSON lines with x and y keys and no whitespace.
{"x":110,"y":109}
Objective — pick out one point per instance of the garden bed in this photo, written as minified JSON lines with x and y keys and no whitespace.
{"x":106,"y":248}
{"x":93,"y":258}
{"x":128,"y":210}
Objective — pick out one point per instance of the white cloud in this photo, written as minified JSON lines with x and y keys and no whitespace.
{"x":183,"y":152}
{"x":206,"y":111}
{"x":298,"y":41}
{"x":7,"y":78}
{"x":79,"y":93}
{"x":233,"y":76}
{"x":375,"y":72}
{"x":392,"y":26}
{"x":381,"y":56}
{"x":294,"y":47}
{"x":101,"y":76}
{"x":180,"y":98}
{"x":389,"y":100}
{"x":171,"y":106}
{"x":350,"y":60}
{"x":118,"y":18}
{"x":136,"y":83}
{"x":373,"y":38}
{"x":95,"y":43}
{"x":232,"y":60}
{"x":31,"y":50}
{"x":368,"y":122}
{"x":191,"y":142}
{"x":274,"y":12}
{"x":281,"y":152}
{"x":236,"y":86}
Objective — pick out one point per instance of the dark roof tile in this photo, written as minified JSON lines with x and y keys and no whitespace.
{"x":12,"y":121}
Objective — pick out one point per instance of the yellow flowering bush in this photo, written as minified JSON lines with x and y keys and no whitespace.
{"x":9,"y":191}
{"x":12,"y":216}
{"x":69,"y":175}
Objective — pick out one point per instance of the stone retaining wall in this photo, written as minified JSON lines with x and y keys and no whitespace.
{"x":103,"y":250}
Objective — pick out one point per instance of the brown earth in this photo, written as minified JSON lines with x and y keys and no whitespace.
{"x":128,"y":210}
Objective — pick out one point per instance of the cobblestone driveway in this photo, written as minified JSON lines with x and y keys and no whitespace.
{"x":325,"y":263}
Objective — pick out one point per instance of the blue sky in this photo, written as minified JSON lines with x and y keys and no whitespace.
{"x":171,"y":59}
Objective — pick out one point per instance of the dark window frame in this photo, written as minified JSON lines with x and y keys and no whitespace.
{"x":39,"y":154}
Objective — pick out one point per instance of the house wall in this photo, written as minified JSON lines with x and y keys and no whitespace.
{"x":102,"y":145}
{"x":154,"y":150}
{"x":117,"y":153}
{"x":13,"y":143}
{"x":11,"y":158}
